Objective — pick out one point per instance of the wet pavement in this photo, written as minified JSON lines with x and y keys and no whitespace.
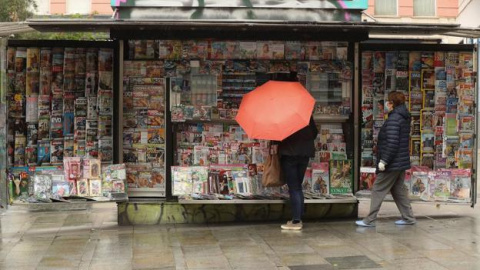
{"x":445,"y":237}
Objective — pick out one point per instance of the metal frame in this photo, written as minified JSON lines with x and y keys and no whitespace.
{"x":433,"y":47}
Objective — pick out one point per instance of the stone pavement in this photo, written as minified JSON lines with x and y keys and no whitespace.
{"x":446,"y":237}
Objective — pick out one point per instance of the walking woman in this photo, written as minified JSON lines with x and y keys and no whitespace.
{"x":295,"y":152}
{"x":393,"y":159}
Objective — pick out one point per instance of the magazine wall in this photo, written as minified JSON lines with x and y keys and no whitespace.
{"x":60,"y":98}
{"x":201,"y":83}
{"x":439,"y":86}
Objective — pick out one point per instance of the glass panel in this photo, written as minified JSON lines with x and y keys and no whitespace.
{"x":386,"y":7}
{"x":423,"y":7}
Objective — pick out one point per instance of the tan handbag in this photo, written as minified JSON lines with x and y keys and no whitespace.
{"x":272,"y":171}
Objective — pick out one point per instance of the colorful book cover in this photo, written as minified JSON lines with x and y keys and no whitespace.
{"x":367,"y":178}
{"x":56,"y":151}
{"x":43,"y":152}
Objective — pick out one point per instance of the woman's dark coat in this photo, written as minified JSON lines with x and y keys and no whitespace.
{"x":300,"y":143}
{"x":393,"y":140}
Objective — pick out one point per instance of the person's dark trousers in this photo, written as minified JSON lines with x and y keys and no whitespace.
{"x":393,"y":182}
{"x":294,"y":168}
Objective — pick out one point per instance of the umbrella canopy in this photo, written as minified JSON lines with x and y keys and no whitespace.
{"x":275,"y":110}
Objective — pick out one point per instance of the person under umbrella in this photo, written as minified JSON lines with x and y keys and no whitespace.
{"x":295,"y":151}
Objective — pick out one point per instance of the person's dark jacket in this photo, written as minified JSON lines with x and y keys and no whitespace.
{"x":393,"y":140}
{"x":300,"y":143}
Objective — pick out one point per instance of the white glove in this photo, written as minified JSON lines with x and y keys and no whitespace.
{"x":381,"y":166}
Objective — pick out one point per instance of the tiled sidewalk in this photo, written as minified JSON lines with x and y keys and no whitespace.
{"x":447,"y":237}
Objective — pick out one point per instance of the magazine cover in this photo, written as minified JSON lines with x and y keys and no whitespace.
{"x":442,"y":185}
{"x":68,"y":146}
{"x":465,"y":158}
{"x":43,"y":152}
{"x":320,"y":178}
{"x":82,"y":187}
{"x":56,"y":127}
{"x":43,"y":127}
{"x":426,"y":120}
{"x":42,"y":186}
{"x":263,"y":50}
{"x":182,"y":180}
{"x":419,"y":185}
{"x":341,"y":176}
{"x":31,"y":155}
{"x":460,"y":185}
{"x":367,"y":178}
{"x":56,"y":151}
{"x":32,"y":109}
{"x":95,"y":187}
{"x":105,"y":150}
{"x":19,"y":151}
{"x":428,"y":140}
{"x":60,"y":187}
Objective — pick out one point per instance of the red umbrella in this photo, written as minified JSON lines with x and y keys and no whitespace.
{"x":275,"y":110}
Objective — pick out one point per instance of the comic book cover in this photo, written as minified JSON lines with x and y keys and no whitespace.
{"x":460,"y":185}
{"x":43,"y":127}
{"x":56,"y":127}
{"x":43,"y":152}
{"x":341,"y":176}
{"x":415,"y":81}
{"x":320,"y":178}
{"x":56,"y":151}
